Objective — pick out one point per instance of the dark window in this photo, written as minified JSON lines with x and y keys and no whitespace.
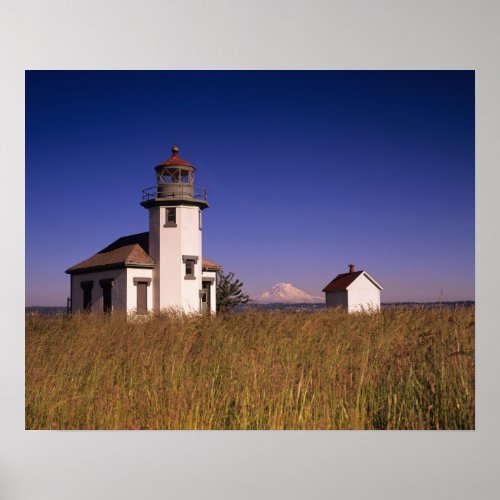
{"x":199,"y":220}
{"x":142,"y":294}
{"x":87,"y":299}
{"x":107,"y":287}
{"x":189,"y":267}
{"x":87,"y":295}
{"x":106,"y":299}
{"x":189,"y":263}
{"x":142,"y":298}
{"x":184,"y":176}
{"x":170,"y":217}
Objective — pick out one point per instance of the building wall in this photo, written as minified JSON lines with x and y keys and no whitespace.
{"x":134,"y":272}
{"x":154,"y":253}
{"x":167,"y":245}
{"x":336,"y":299}
{"x":118,"y":292}
{"x":363,"y":295}
{"x":191,"y":245}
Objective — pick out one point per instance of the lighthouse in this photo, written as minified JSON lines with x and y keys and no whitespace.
{"x":161,"y":269}
{"x":175,"y":235}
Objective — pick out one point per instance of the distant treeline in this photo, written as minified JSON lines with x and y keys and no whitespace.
{"x":458,"y":303}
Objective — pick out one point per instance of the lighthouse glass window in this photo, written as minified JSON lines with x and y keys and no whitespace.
{"x":184,"y":177}
{"x":171,"y":176}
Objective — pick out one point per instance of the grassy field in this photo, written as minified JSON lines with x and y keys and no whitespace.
{"x":400,"y":369}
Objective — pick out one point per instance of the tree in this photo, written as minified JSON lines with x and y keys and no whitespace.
{"x":229,"y":291}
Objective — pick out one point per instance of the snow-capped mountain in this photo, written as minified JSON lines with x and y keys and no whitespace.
{"x":286,"y":293}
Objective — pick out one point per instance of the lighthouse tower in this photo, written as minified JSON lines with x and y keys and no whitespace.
{"x":175,"y":228}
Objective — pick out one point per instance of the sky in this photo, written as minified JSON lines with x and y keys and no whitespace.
{"x":306,"y":172}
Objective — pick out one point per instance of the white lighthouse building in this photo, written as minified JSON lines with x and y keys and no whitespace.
{"x":159,"y":269}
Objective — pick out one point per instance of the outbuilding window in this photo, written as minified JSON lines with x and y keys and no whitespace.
{"x":189,"y":263}
{"x":171,"y":217}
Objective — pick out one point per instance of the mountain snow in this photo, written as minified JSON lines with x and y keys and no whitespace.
{"x":288,"y":294}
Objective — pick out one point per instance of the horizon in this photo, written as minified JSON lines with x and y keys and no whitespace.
{"x":302,"y":304}
{"x":306,"y":171}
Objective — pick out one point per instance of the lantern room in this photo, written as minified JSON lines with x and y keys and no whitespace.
{"x":174,"y":177}
{"x":174,"y":184}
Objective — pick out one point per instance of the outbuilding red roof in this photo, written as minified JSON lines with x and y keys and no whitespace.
{"x":342,"y":281}
{"x":175,"y":160}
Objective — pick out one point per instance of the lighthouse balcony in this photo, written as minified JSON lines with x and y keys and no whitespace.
{"x":174,"y":192}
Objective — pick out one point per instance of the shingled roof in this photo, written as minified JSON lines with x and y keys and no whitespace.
{"x":124,"y":256}
{"x":342,"y":281}
{"x":127,"y":251}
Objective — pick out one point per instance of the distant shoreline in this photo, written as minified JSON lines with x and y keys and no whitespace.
{"x":384,"y":305}
{"x":48,"y":310}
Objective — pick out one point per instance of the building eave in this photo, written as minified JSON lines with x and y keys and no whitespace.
{"x":364,"y":273}
{"x":374,"y":281}
{"x":107,"y":267}
{"x":175,"y":203}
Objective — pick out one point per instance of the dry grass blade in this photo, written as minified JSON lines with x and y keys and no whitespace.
{"x":400,"y":369}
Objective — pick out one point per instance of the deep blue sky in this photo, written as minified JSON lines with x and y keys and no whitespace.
{"x":306,"y":172}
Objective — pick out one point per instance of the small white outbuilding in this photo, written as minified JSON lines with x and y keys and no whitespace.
{"x":355,"y":291}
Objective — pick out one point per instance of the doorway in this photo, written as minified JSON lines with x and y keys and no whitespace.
{"x":205,"y":295}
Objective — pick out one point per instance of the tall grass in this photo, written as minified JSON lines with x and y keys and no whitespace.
{"x":400,"y":369}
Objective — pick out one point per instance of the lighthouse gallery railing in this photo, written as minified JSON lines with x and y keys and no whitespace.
{"x":181,"y":192}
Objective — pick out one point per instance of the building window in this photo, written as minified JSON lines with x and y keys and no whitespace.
{"x":87,"y":294}
{"x":190,"y":267}
{"x":142,"y":294}
{"x":171,"y":217}
{"x":107,"y":286}
{"x":189,"y":263}
{"x":199,"y":220}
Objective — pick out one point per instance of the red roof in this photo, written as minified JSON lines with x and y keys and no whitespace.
{"x":209,"y":265}
{"x":341,"y":281}
{"x":175,"y":160}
